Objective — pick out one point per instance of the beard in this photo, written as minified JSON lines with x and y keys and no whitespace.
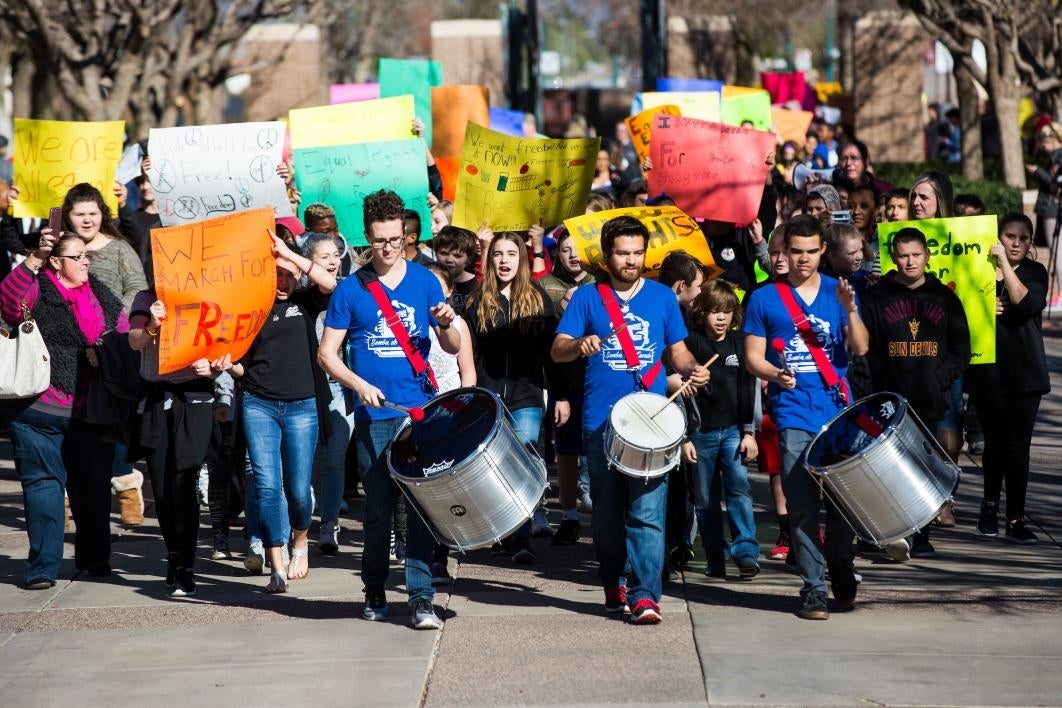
{"x":620,"y":275}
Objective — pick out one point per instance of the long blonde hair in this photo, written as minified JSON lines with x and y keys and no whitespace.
{"x":525,"y":303}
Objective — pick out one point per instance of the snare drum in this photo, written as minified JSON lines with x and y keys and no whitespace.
{"x":465,"y":471}
{"x":644,"y":434}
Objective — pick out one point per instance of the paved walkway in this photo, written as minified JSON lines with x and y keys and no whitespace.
{"x":978,"y":625}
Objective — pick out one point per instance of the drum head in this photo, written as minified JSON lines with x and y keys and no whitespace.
{"x":455,"y":425}
{"x":855,"y":428}
{"x":638,"y":419}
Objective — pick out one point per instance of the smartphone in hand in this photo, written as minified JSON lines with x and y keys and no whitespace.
{"x":55,"y":221}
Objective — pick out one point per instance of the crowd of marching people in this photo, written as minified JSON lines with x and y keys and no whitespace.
{"x":795,"y":320}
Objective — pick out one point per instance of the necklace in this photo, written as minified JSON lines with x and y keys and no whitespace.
{"x":625,"y":302}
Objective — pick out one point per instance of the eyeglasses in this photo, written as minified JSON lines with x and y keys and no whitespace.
{"x":80,"y":258}
{"x":381,"y":244}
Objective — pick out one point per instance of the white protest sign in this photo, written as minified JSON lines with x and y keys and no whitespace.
{"x":129,"y":166}
{"x":202,"y":171}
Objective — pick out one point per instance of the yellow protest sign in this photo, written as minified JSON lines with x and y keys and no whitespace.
{"x":959,"y":257}
{"x":640,"y":128}
{"x":511,"y":183}
{"x":347,"y":123}
{"x":670,"y":229}
{"x":704,"y":105}
{"x":218,"y":280}
{"x":51,"y":156}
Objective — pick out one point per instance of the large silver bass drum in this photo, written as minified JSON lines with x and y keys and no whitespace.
{"x":465,"y":471}
{"x":882,"y":467}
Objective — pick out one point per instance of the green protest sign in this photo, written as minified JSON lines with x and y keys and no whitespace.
{"x":959,"y":257}
{"x":746,"y":105}
{"x":342,"y":175}
{"x":399,"y":77}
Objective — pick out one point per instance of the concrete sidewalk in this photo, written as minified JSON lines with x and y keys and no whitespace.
{"x":977,"y":625}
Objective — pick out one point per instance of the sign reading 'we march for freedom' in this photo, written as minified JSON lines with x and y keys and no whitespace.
{"x":203,"y":171}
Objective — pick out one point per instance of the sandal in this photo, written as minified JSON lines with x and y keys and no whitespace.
{"x":278,"y":583}
{"x":298,"y":554}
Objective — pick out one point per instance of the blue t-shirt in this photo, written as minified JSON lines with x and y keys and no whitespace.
{"x":655,"y":323}
{"x":810,"y":405}
{"x":374,"y":352}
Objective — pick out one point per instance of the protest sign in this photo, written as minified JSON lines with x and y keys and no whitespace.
{"x":511,"y":183}
{"x":202,"y":171}
{"x":703,"y":105}
{"x":346,"y":123}
{"x":218,"y":280}
{"x":640,"y":128}
{"x":342,"y":176}
{"x":711,"y":170}
{"x":669,"y":230}
{"x":959,"y":257}
{"x":351,"y":93}
{"x":742,"y":105}
{"x":415,"y":77}
{"x":452,"y":108}
{"x":503,"y":120}
{"x":784,"y":87}
{"x":791,"y":126}
{"x":129,"y":167}
{"x":674,"y":83}
{"x":448,"y":167}
{"x":51,"y":156}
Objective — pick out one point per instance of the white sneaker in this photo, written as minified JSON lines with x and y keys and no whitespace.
{"x":899,"y":551}
{"x":202,"y":487}
{"x":328,"y":540}
{"x":540,"y":527}
{"x":255,"y":560}
{"x":585,"y":504}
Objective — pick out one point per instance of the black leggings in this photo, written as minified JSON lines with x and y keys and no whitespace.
{"x":1007,"y":421}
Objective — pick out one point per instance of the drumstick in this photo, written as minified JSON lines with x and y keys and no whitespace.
{"x":681,"y":388}
{"x":415,"y":413}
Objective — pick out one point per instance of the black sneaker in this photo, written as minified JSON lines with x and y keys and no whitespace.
{"x":748,"y":566}
{"x":680,"y":556}
{"x":171,"y":573}
{"x":567,"y":533}
{"x":376,"y":608}
{"x":921,"y":547}
{"x":814,"y":607}
{"x":988,"y":522}
{"x":1018,"y":533}
{"x":184,"y":583}
{"x":844,"y":585}
{"x":522,"y":553}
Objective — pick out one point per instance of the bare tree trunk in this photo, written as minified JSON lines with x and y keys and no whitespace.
{"x":22,"y":85}
{"x":1006,"y":107}
{"x":972,"y":159}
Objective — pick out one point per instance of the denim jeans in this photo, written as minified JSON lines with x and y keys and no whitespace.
{"x":718,"y":458}
{"x":52,"y":452}
{"x":627,"y":523}
{"x":252,"y":529}
{"x":527,"y":422}
{"x":329,"y":467}
{"x":371,"y":437}
{"x":803,"y":501}
{"x":281,"y":439}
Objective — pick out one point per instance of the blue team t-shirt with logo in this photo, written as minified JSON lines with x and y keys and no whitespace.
{"x":810,"y":405}
{"x":374,"y":352}
{"x":654,"y":322}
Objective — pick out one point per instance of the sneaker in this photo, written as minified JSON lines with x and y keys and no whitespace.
{"x":814,"y":607}
{"x":922,"y":548}
{"x":680,"y":556}
{"x":1017,"y":532}
{"x":424,"y":616}
{"x":540,"y":527}
{"x":844,"y":584}
{"x":988,"y":523}
{"x":568,"y":533}
{"x":976,"y":447}
{"x":522,"y":553}
{"x":221,"y":551}
{"x":716,"y":567}
{"x":376,"y":608}
{"x":748,"y":567}
{"x":586,"y":505}
{"x":184,"y":583}
{"x":400,"y":551}
{"x":391,"y":552}
{"x":171,"y":573}
{"x":781,"y":547}
{"x":616,"y":599}
{"x":946,"y":515}
{"x":38,"y":584}
{"x":645,"y":611}
{"x":328,"y":539}
{"x":501,"y":548}
{"x":440,"y":574}
{"x":255,"y":560}
{"x":899,"y":551}
{"x":202,"y":487}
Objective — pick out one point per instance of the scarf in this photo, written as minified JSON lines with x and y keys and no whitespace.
{"x":87,"y":310}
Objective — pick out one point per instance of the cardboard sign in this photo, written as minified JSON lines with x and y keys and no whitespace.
{"x":640,"y":128}
{"x":712,"y":171}
{"x":347,"y":123}
{"x":669,"y":230}
{"x":746,"y":105}
{"x":448,"y":168}
{"x":51,"y":156}
{"x":703,"y":105}
{"x":784,"y":87}
{"x":414,"y":77}
{"x":218,"y":280}
{"x":509,"y":122}
{"x":511,"y":183}
{"x":351,"y":93}
{"x":674,"y":83}
{"x":202,"y":171}
{"x":959,"y":257}
{"x":791,"y":126}
{"x":453,"y":107}
{"x":342,"y":175}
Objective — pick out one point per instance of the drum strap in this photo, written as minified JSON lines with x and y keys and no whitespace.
{"x":420,"y":367}
{"x":626,"y":342}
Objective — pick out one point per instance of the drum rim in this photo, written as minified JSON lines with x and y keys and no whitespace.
{"x":886,"y":433}
{"x":677,"y":406}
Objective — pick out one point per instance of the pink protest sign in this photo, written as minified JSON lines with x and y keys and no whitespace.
{"x":784,"y":87}
{"x":349,"y":93}
{"x":711,"y":170}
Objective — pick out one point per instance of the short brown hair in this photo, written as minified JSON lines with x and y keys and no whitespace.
{"x":716,"y":296}
{"x":382,"y":205}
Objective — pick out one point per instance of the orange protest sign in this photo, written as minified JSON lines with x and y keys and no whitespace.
{"x":711,"y":170}
{"x":452,"y":107}
{"x":448,"y":167}
{"x":669,"y":230}
{"x":640,"y":127}
{"x":218,"y":281}
{"x":790,"y":125}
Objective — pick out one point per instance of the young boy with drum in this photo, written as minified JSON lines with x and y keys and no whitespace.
{"x":815,"y":320}
{"x":624,"y":357}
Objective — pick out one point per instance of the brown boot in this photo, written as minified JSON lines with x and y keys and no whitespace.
{"x":946,"y":515}
{"x":130,"y":500}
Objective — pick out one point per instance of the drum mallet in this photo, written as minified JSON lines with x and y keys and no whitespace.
{"x":779,"y":346}
{"x":415,"y":413}
{"x":681,"y":388}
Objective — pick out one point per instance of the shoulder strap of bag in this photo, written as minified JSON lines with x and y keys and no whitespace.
{"x":420,"y":367}
{"x":623,"y":336}
{"x":818,"y":354}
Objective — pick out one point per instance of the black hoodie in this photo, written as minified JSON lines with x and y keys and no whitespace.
{"x":919,"y":341}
